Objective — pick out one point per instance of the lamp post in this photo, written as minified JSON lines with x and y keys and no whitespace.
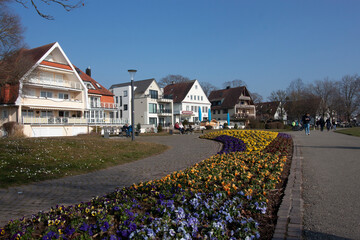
{"x":132,"y":75}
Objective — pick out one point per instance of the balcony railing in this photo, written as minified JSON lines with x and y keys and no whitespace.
{"x":53,"y":83}
{"x":71,"y":121}
{"x":167,"y":111}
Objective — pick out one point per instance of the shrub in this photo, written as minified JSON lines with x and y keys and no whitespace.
{"x":256,"y":124}
{"x":208,"y":127}
{"x":274,"y":125}
{"x":226,"y":126}
{"x":13,"y":129}
{"x":185,"y":122}
{"x":138,"y":127}
{"x":236,"y":126}
{"x":159,"y":128}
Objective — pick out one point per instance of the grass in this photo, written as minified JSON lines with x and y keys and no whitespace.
{"x":355,"y":131}
{"x":27,"y":160}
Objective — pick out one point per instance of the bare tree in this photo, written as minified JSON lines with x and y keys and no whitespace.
{"x":281,"y":97}
{"x":207,"y":88}
{"x":11,"y":31}
{"x":234,"y":83}
{"x":348,"y":91}
{"x":325,"y":90}
{"x":169,"y":79}
{"x":256,"y":97}
{"x":14,"y":66}
{"x":68,"y":5}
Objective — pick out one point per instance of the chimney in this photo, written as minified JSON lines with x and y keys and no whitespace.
{"x":172,"y":82}
{"x":88,"y":71}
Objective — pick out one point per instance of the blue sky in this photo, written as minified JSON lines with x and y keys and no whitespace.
{"x":265,"y":43}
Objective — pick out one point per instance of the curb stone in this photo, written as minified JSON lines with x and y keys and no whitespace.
{"x":290,"y":215}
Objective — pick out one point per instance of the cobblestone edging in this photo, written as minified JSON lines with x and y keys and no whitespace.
{"x":289,"y":224}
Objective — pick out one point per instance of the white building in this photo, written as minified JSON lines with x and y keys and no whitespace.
{"x":189,"y":101}
{"x":151,"y":107}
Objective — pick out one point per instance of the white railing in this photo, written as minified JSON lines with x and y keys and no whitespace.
{"x":65,"y":84}
{"x":71,"y":121}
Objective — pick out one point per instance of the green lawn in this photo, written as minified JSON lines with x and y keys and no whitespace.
{"x":26,"y":160}
{"x":355,"y":131}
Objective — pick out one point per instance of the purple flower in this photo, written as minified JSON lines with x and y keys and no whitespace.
{"x":84,"y":227}
{"x":231,"y":144}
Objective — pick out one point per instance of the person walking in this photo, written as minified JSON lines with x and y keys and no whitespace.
{"x":328,"y":124}
{"x":306,"y":122}
{"x":322,"y":123}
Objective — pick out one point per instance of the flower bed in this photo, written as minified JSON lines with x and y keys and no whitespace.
{"x":219,"y":198}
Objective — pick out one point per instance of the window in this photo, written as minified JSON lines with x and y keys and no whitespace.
{"x":196,"y":86}
{"x":125,"y":107}
{"x":187,"y":108}
{"x":153,"y":121}
{"x":125,"y":93}
{"x":202,"y":98}
{"x":46,"y":113}
{"x":120,"y":101}
{"x":190,"y":97}
{"x":198,"y":98}
{"x":89,"y":85}
{"x":117,"y":114}
{"x":45,"y":94}
{"x":121,"y":115}
{"x":46,"y":77}
{"x":116,"y":99}
{"x":214,"y":111}
{"x":63,"y":96}
{"x":218,"y":111}
{"x":5,"y":114}
{"x":64,"y":114}
{"x":27,"y":113}
{"x":192,"y":108}
{"x":154,"y":94}
{"x":225,"y":111}
{"x":195,"y":108}
{"x":98,"y":85}
{"x":152,"y":108}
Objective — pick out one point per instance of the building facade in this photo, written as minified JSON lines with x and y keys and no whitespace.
{"x":150,"y":105}
{"x":190,"y":101}
{"x":236,"y":102}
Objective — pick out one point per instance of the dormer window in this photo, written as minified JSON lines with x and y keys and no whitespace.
{"x":98,"y":85}
{"x":89,"y":85}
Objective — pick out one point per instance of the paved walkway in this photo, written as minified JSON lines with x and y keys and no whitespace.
{"x":331,"y":191}
{"x":185,"y":151}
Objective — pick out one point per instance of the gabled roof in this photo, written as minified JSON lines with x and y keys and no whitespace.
{"x":267,"y":108}
{"x":178,"y":91}
{"x":141,"y":85}
{"x":229,"y":97}
{"x":99,"y":89}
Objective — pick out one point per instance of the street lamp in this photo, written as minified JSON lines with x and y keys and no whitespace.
{"x":132,"y":75}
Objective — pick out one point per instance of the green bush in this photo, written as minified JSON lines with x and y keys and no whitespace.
{"x":274,"y":125}
{"x":13,"y":129}
{"x":236,"y":126}
{"x":208,"y":127}
{"x":226,"y":126}
{"x":159,"y":128}
{"x":256,"y":124}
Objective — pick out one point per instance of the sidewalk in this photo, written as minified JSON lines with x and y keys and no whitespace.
{"x":331,"y":191}
{"x":185,"y":151}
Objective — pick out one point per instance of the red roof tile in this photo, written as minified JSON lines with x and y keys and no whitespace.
{"x":98,"y":90}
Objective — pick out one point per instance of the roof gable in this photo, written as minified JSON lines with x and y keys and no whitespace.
{"x":178,"y":91}
{"x":229,"y":97}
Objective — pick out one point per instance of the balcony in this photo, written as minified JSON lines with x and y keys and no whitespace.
{"x":164,"y":112}
{"x":52,"y":84}
{"x":243,"y":115}
{"x":71,"y":121}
